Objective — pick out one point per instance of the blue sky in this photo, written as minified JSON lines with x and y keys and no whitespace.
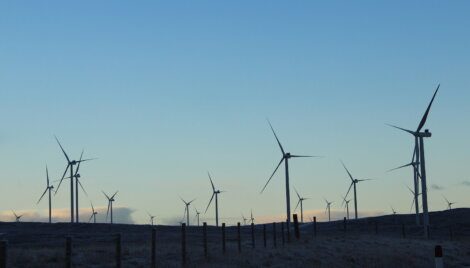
{"x":162,"y":93}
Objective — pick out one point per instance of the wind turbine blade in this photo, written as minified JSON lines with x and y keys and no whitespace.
{"x":365,"y":180}
{"x":106,"y":195}
{"x":107,"y":212}
{"x":91,"y":217}
{"x":191,"y":201}
{"x":297,"y":193}
{"x":282,"y":159}
{"x":14,"y":213}
{"x":350,"y":176}
{"x":114,"y":194}
{"x":425,"y":116}
{"x":350,"y":186}
{"x":278,"y":142}
{"x":446,"y":200}
{"x":88,"y":159}
{"x":406,"y":130}
{"x":212,"y":183}
{"x":81,"y":186}
{"x":407,"y":165}
{"x":209,"y":202}
{"x":79,"y":162}
{"x":297,"y":205}
{"x":66,"y":169}
{"x":47,"y":176}
{"x":410,"y":190}
{"x":42,"y":195}
{"x":66,"y":156}
{"x":92,"y":208}
{"x":412,"y":203}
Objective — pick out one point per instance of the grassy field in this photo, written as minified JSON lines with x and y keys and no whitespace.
{"x":43,"y":245}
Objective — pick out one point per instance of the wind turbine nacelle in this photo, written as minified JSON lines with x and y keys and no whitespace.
{"x":287,"y":155}
{"x":425,"y":134}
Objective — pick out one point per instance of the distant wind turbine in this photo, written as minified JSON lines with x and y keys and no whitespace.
{"x":414,"y":194}
{"x":393,"y":210}
{"x":301,"y":201}
{"x":419,"y":149}
{"x":328,"y":208}
{"x":449,"y":204}
{"x":216,"y":194}
{"x":251,"y":217}
{"x":346,"y":205}
{"x":198,"y":213}
{"x":48,"y":189}
{"x":110,"y":205}
{"x":151,"y":217}
{"x":285,"y":158}
{"x":186,"y":209}
{"x":416,"y":176}
{"x":93,"y":214}
{"x":353,"y":183}
{"x":244,"y":219}
{"x":70,"y":164}
{"x":17,"y":217}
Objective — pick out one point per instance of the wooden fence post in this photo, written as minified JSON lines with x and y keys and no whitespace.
{"x":314,"y":226}
{"x":282,"y":233}
{"x":223,"y":237}
{"x":239,"y":238}
{"x":154,"y":248}
{"x":3,"y":253}
{"x":118,"y":251}
{"x":264,"y":234}
{"x":204,"y":238}
{"x":183,"y":243}
{"x":296,"y":227}
{"x":253,"y":235}
{"x":68,"y":252}
{"x":274,"y":235}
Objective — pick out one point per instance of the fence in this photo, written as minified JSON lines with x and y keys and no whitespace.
{"x":196,"y":243}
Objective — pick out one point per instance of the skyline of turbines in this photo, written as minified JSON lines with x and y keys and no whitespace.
{"x":417,"y":163}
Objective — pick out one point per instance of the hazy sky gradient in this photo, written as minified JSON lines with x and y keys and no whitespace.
{"x":162,"y":93}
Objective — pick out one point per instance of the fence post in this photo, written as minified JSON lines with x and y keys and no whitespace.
{"x":253,"y":235}
{"x":344,"y":224}
{"x":154,"y":249}
{"x":314,"y":226}
{"x":3,"y":253}
{"x":264,"y":234}
{"x":376,"y":227}
{"x":282,"y":233}
{"x":296,"y":227}
{"x":403,"y":231}
{"x":183,"y":243}
{"x":68,"y":252}
{"x":274,"y":235}
{"x":223,"y":237}
{"x":438,"y":257}
{"x":204,"y":238}
{"x":239,"y":238}
{"x":118,"y":251}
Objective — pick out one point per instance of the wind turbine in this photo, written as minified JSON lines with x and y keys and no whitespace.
{"x":110,"y":205}
{"x":151,"y":217}
{"x":186,"y":209}
{"x":353,"y":183}
{"x":17,"y":218}
{"x":393,"y":210}
{"x":70,"y":164}
{"x":419,"y":148}
{"x":197,"y":215}
{"x":416,"y":175}
{"x":48,"y":189}
{"x":328,"y":207}
{"x":93,"y":214}
{"x":216,"y":194}
{"x":414,"y":194}
{"x":301,"y":201}
{"x":449,"y":204}
{"x":77,"y":183}
{"x":244,"y":219}
{"x":346,"y":205}
{"x":285,"y":158}
{"x":251,"y":217}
